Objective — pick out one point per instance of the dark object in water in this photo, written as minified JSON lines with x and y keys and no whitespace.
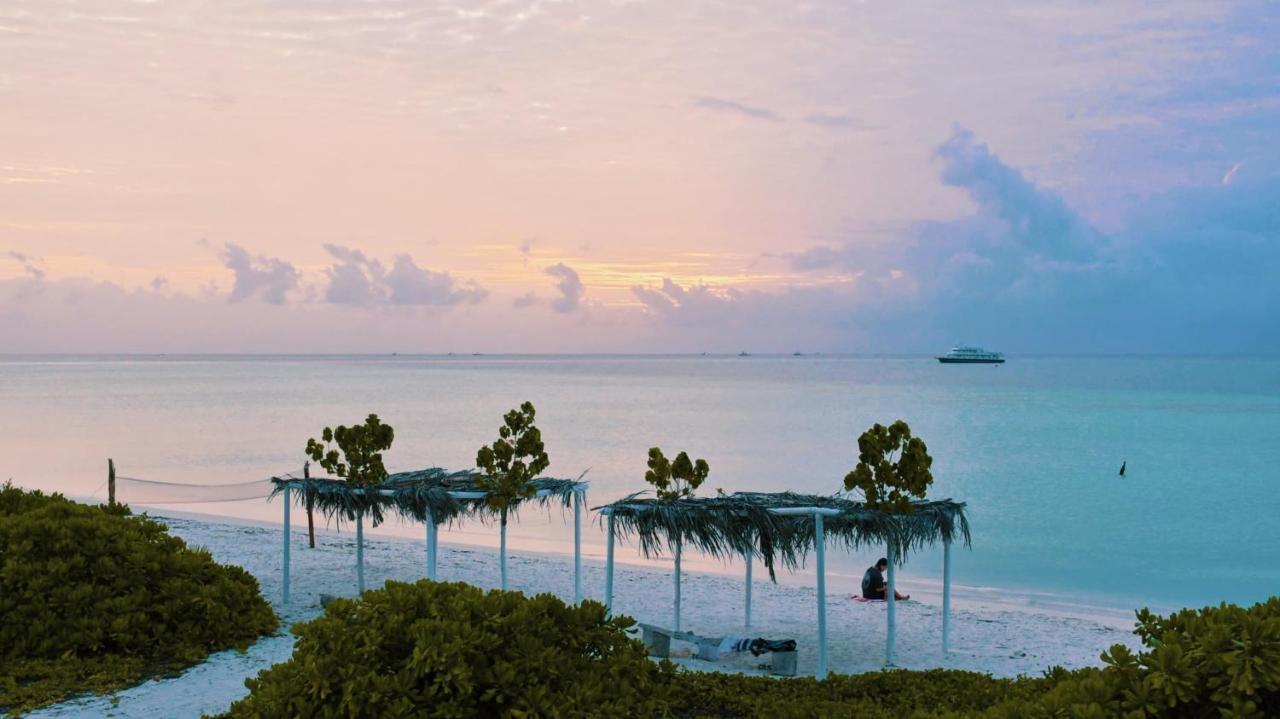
{"x":1122,"y":466}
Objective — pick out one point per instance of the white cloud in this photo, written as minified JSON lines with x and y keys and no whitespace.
{"x":570,"y":287}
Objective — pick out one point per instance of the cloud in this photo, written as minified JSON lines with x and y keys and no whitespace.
{"x":354,"y":279}
{"x":258,"y":277}
{"x":836,"y":121}
{"x":409,"y":284}
{"x":30,"y":265}
{"x":719,"y":105}
{"x":1231,"y":174}
{"x":1037,"y":220}
{"x":359,"y":280}
{"x":528,"y":299}
{"x":1192,"y":267}
{"x":570,"y":287}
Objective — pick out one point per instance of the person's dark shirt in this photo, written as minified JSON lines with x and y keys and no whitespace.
{"x":873,"y":584}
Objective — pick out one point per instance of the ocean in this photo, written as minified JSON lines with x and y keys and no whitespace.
{"x":1033,"y":446}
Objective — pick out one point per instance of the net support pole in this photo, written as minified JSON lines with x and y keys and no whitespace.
{"x":608,"y":567}
{"x":946,"y":596}
{"x":360,"y":551}
{"x":820,"y":549}
{"x":750,"y":561}
{"x":285,"y":570}
{"x":577,"y":545}
{"x":890,"y":595}
{"x":432,"y":539}
{"x":677,"y":587}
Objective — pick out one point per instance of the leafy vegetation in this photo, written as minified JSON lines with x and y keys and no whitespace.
{"x":453,"y":650}
{"x":1219,"y":661}
{"x":887,"y":482}
{"x":354,"y":453}
{"x":878,"y":695}
{"x":92,"y":599}
{"x":508,"y":468}
{"x":675,"y":479}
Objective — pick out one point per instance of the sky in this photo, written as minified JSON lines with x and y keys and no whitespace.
{"x":632,"y":176}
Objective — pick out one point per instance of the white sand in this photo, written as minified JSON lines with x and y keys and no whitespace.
{"x":1005,"y":640}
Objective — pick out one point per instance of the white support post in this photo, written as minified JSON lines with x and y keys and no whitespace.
{"x":608,"y":568}
{"x":577,"y":545}
{"x":359,"y":551}
{"x":432,"y":538}
{"x":677,"y":587}
{"x":502,"y":554}
{"x":285,"y":590}
{"x":946,"y":596}
{"x":820,"y":548}
{"x":890,"y":595}
{"x":750,"y":561}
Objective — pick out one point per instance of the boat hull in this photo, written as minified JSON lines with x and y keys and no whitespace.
{"x":968,"y":360}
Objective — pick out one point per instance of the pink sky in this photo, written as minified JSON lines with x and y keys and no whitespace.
{"x":529,"y":176}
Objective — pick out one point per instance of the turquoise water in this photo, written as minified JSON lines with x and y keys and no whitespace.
{"x":1033,"y":446}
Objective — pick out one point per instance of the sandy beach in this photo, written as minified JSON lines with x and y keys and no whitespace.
{"x":1002,"y":639}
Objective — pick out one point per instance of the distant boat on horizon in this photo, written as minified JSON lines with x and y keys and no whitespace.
{"x":968,"y":354}
{"x":743,"y":354}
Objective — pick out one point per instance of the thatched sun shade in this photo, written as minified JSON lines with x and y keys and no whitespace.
{"x":733,"y":525}
{"x":413,"y":495}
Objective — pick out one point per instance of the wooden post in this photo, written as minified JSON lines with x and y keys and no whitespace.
{"x":431,"y":544}
{"x":577,"y":545}
{"x":891,"y":600}
{"x":820,"y":548}
{"x":287,"y":502}
{"x":502,"y":550}
{"x":946,"y":596}
{"x":111,"y":481}
{"x":311,"y":521}
{"x":750,"y":561}
{"x":359,"y":551}
{"x":677,"y":586}
{"x":608,"y":568}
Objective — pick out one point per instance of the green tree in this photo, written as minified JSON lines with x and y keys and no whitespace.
{"x":508,"y":468}
{"x":354,"y":453}
{"x":675,"y":479}
{"x":893,"y":468}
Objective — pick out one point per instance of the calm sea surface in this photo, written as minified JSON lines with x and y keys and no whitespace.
{"x":1033,"y":446}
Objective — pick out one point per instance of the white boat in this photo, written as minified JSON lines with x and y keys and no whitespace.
{"x":966,"y":354}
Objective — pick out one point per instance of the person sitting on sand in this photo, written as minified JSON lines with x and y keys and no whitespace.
{"x":873,"y":586}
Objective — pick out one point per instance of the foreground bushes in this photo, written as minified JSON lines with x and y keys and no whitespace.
{"x":879,"y":695}
{"x":451,"y":650}
{"x":1220,"y":661}
{"x":94,"y":599}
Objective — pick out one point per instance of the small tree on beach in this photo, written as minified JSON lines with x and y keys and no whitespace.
{"x":354,"y":453}
{"x":508,"y":468}
{"x":675,"y":479}
{"x":893,"y":468}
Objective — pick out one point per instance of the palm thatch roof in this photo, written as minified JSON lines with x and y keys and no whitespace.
{"x":413,"y":495}
{"x":732,"y":525}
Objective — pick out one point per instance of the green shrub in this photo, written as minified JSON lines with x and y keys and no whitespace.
{"x":878,"y":695}
{"x":452,"y":650}
{"x":94,"y":599}
{"x":1219,"y":661}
